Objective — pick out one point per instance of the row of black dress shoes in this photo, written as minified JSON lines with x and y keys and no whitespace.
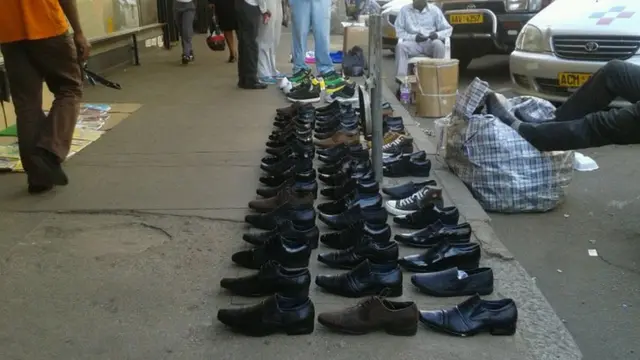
{"x":296,"y":316}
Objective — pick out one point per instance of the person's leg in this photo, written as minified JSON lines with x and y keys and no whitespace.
{"x":265,"y":37}
{"x":178,"y":9}
{"x":434,"y":49}
{"x":25,"y":83}
{"x":404,"y":51}
{"x":188,"y":15}
{"x":300,"y":21}
{"x":615,"y":79}
{"x":231,"y":44}
{"x":63,"y":77}
{"x":321,"y":25}
{"x":241,"y":32}
{"x":254,"y":21}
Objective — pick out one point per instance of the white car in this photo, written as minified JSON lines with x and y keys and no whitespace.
{"x":563,"y":45}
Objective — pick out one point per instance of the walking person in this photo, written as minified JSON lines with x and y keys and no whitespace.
{"x":250,"y":14}
{"x":185,"y":13}
{"x":268,"y":40}
{"x":226,"y":19}
{"x":37,"y":47}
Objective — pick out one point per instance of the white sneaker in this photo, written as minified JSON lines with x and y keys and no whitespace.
{"x":414,"y":202}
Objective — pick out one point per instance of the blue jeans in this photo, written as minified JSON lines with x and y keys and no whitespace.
{"x":315,"y":14}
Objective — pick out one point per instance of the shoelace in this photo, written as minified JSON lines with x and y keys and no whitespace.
{"x":393,"y":144}
{"x":413,"y":198}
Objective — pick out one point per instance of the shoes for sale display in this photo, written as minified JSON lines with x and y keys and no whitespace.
{"x":345,"y":126}
{"x":374,"y":314}
{"x":422,"y":198}
{"x":365,"y":249}
{"x":455,"y":282}
{"x":306,"y":93}
{"x":270,"y":279}
{"x":287,"y":252}
{"x":473,"y":316}
{"x":363,"y":187}
{"x":435,"y":234}
{"x":428,"y":215}
{"x":347,"y":94}
{"x":354,"y":214}
{"x":407,"y":189}
{"x":402,"y":145}
{"x":357,"y":169}
{"x":281,"y":166}
{"x":341,"y":240}
{"x":443,"y":256}
{"x":351,"y":160}
{"x":276,"y":314}
{"x":415,"y":164}
{"x":335,"y":154}
{"x":303,"y":180}
{"x":363,"y":200}
{"x":288,"y":230}
{"x":302,"y":216}
{"x":339,"y":137}
{"x":291,"y":195}
{"x":393,"y":124}
{"x":333,"y":82}
{"x":366,"y":279}
{"x":302,"y":171}
{"x":388,"y":138}
{"x":292,"y":110}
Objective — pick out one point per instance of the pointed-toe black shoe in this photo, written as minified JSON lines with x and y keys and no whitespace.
{"x":270,"y":279}
{"x":455,"y":282}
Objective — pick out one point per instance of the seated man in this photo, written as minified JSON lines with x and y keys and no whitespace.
{"x":422,"y":30}
{"x":583,"y":122}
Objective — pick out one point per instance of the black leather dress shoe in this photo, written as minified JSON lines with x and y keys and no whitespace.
{"x":276,"y":314}
{"x":363,"y":187}
{"x":287,"y":252}
{"x":455,"y":282}
{"x":355,"y":198}
{"x":473,"y":316}
{"x":429,"y":215}
{"x":252,"y":86}
{"x":289,"y":230}
{"x":302,"y":166}
{"x":348,"y":161}
{"x":366,"y":249}
{"x":375,"y":215}
{"x":349,"y":237}
{"x":366,"y":279}
{"x":443,"y":256}
{"x":415,"y":164}
{"x":337,"y":151}
{"x":302,"y":216}
{"x":270,"y":279}
{"x":407,"y":189}
{"x":435,"y":234}
{"x":294,"y":109}
{"x":308,"y":177}
{"x":297,"y":146}
{"x":363,"y":172}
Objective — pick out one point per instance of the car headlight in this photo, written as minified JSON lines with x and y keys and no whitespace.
{"x":517,"y":5}
{"x":531,"y":39}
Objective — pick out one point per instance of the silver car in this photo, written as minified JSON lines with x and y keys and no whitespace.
{"x":563,"y":45}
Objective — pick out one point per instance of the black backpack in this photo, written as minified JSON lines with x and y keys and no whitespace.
{"x":353,"y":63}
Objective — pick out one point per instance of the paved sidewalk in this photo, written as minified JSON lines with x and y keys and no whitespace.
{"x":125,"y":262}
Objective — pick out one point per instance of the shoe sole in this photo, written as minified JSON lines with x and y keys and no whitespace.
{"x":305,"y":101}
{"x":395,"y":211}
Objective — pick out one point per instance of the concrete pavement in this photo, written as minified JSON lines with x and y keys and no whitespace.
{"x":124,"y":263}
{"x":596,"y":297}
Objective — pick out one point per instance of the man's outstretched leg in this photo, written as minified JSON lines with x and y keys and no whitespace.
{"x":617,"y":126}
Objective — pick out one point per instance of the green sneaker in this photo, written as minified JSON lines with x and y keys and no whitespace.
{"x":299,"y":76}
{"x":333,"y":82}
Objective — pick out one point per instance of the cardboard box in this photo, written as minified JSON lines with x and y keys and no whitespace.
{"x":434,"y":106}
{"x":437,"y":76}
{"x":356,"y":35}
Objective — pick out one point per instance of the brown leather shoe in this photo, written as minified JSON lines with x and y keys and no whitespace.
{"x":286,"y":195}
{"x":375,"y":313}
{"x":338,"y":138}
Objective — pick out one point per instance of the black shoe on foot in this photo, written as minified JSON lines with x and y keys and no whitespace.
{"x":252,"y":86}
{"x":47,"y":169}
{"x":276,"y":314}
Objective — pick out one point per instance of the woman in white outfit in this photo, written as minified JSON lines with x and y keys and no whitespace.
{"x":268,"y":40}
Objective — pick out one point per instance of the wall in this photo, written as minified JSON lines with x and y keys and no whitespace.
{"x":148,"y":12}
{"x":99,"y":18}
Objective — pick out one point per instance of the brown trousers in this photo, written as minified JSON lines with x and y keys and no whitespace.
{"x":29,"y":63}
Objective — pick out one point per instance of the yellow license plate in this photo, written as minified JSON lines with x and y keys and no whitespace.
{"x":389,"y":33}
{"x":457,"y":19}
{"x":572,"y":80}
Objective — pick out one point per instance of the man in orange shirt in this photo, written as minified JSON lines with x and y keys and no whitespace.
{"x":37,"y":47}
